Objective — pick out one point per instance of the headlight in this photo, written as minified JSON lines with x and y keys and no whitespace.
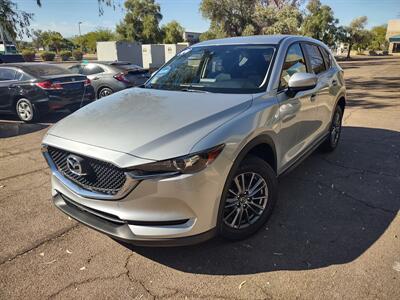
{"x":181,"y":165}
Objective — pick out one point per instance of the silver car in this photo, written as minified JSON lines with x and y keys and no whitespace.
{"x":197,"y":151}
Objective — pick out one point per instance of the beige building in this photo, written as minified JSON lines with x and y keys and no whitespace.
{"x":393,"y":36}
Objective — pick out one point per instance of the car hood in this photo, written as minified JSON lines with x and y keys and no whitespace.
{"x":148,"y":123}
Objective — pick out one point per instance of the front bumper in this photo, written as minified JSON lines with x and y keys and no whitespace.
{"x":120,"y":230}
{"x":176,"y":211}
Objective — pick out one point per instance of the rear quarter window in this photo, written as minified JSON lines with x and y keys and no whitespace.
{"x":7,"y":74}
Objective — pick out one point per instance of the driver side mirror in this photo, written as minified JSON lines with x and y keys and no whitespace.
{"x":301,"y":82}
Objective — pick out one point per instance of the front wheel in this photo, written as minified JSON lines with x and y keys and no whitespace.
{"x":26,"y":111}
{"x":248,"y":199}
{"x":335,"y":130}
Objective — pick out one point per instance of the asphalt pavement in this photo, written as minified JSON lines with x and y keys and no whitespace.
{"x":334,"y":234}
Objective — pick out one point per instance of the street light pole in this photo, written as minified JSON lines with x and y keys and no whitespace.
{"x":80,"y":35}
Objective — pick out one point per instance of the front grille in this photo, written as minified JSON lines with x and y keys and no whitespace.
{"x":103,"y":177}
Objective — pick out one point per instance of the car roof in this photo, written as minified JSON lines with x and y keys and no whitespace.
{"x":254,"y":39}
{"x":26,"y":64}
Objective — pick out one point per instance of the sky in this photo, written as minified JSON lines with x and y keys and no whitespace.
{"x":63,"y":15}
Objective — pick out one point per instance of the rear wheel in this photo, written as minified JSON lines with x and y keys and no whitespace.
{"x":335,"y":130}
{"x":26,"y":111}
{"x":103,"y":92}
{"x":248,"y":199}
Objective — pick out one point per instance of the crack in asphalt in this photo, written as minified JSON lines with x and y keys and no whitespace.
{"x":334,"y":188}
{"x":363,"y":171}
{"x":52,"y":237}
{"x":11,"y":154}
{"x":89,"y":280}
{"x":22,"y":174}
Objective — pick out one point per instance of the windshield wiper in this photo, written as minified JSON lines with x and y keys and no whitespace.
{"x":193,"y":90}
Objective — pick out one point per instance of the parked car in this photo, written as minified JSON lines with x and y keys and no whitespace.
{"x":197,"y":151}
{"x":9,"y":53}
{"x":32,"y":89}
{"x":111,"y":77}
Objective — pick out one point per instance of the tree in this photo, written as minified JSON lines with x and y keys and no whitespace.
{"x":172,"y":33}
{"x":14,"y":21}
{"x":214,"y":32}
{"x":232,"y":16}
{"x":378,"y":40}
{"x":141,"y":22}
{"x":88,"y":41}
{"x":355,"y":34}
{"x":274,"y":20}
{"x":249,"y":17}
{"x":320,"y":23}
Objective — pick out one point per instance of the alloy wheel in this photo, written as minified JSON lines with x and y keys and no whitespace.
{"x":24,"y":110}
{"x":105,"y":92}
{"x":247,"y":200}
{"x":336,"y":128}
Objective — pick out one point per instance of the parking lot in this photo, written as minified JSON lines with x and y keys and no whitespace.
{"x":335,"y":232}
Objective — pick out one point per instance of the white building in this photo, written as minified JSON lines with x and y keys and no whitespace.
{"x":172,"y":49}
{"x":153,"y":56}
{"x":122,"y":51}
{"x":191,"y":37}
{"x":393,"y":36}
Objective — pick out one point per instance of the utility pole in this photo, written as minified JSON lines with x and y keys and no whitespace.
{"x":80,"y":35}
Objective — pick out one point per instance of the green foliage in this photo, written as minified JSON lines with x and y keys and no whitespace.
{"x":215,"y":32}
{"x":378,"y":39}
{"x":172,"y":33}
{"x":47,"y":55}
{"x":356,"y":35}
{"x":77,"y":55}
{"x":50,"y":40}
{"x":320,"y":23}
{"x":28,"y":55}
{"x":65,"y":55}
{"x":141,"y":22}
{"x":273,"y":20}
{"x":14,"y":21}
{"x":232,"y":16}
{"x":88,"y":41}
{"x":250,"y":17}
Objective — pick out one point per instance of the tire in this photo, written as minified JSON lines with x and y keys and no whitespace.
{"x":332,"y":140}
{"x":104,"y":92}
{"x":235,"y":204}
{"x":26,"y":111}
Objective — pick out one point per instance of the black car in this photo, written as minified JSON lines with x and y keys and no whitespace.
{"x":111,"y":77}
{"x":33,"y":89}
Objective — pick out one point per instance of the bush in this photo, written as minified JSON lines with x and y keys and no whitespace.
{"x":77,"y":54}
{"x":47,"y":55}
{"x":65,"y":55}
{"x":28,"y":55}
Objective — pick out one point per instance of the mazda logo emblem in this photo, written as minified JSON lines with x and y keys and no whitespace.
{"x":76,"y":165}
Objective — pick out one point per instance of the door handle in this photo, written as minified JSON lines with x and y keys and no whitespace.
{"x":95,"y":78}
{"x":313,"y":97}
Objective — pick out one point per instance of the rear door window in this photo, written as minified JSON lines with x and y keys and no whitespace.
{"x":327,"y":58}
{"x":7,"y":74}
{"x":92,"y":69}
{"x":315,"y":58}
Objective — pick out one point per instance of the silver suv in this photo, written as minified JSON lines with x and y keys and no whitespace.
{"x":198,"y":149}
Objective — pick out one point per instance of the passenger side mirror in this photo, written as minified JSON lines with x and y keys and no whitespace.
{"x":301,"y":82}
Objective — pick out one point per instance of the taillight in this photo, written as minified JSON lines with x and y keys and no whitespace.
{"x":121,"y":77}
{"x":48,"y":85}
{"x":87,"y":82}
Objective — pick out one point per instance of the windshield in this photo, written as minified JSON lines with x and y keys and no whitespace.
{"x":223,"y":69}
